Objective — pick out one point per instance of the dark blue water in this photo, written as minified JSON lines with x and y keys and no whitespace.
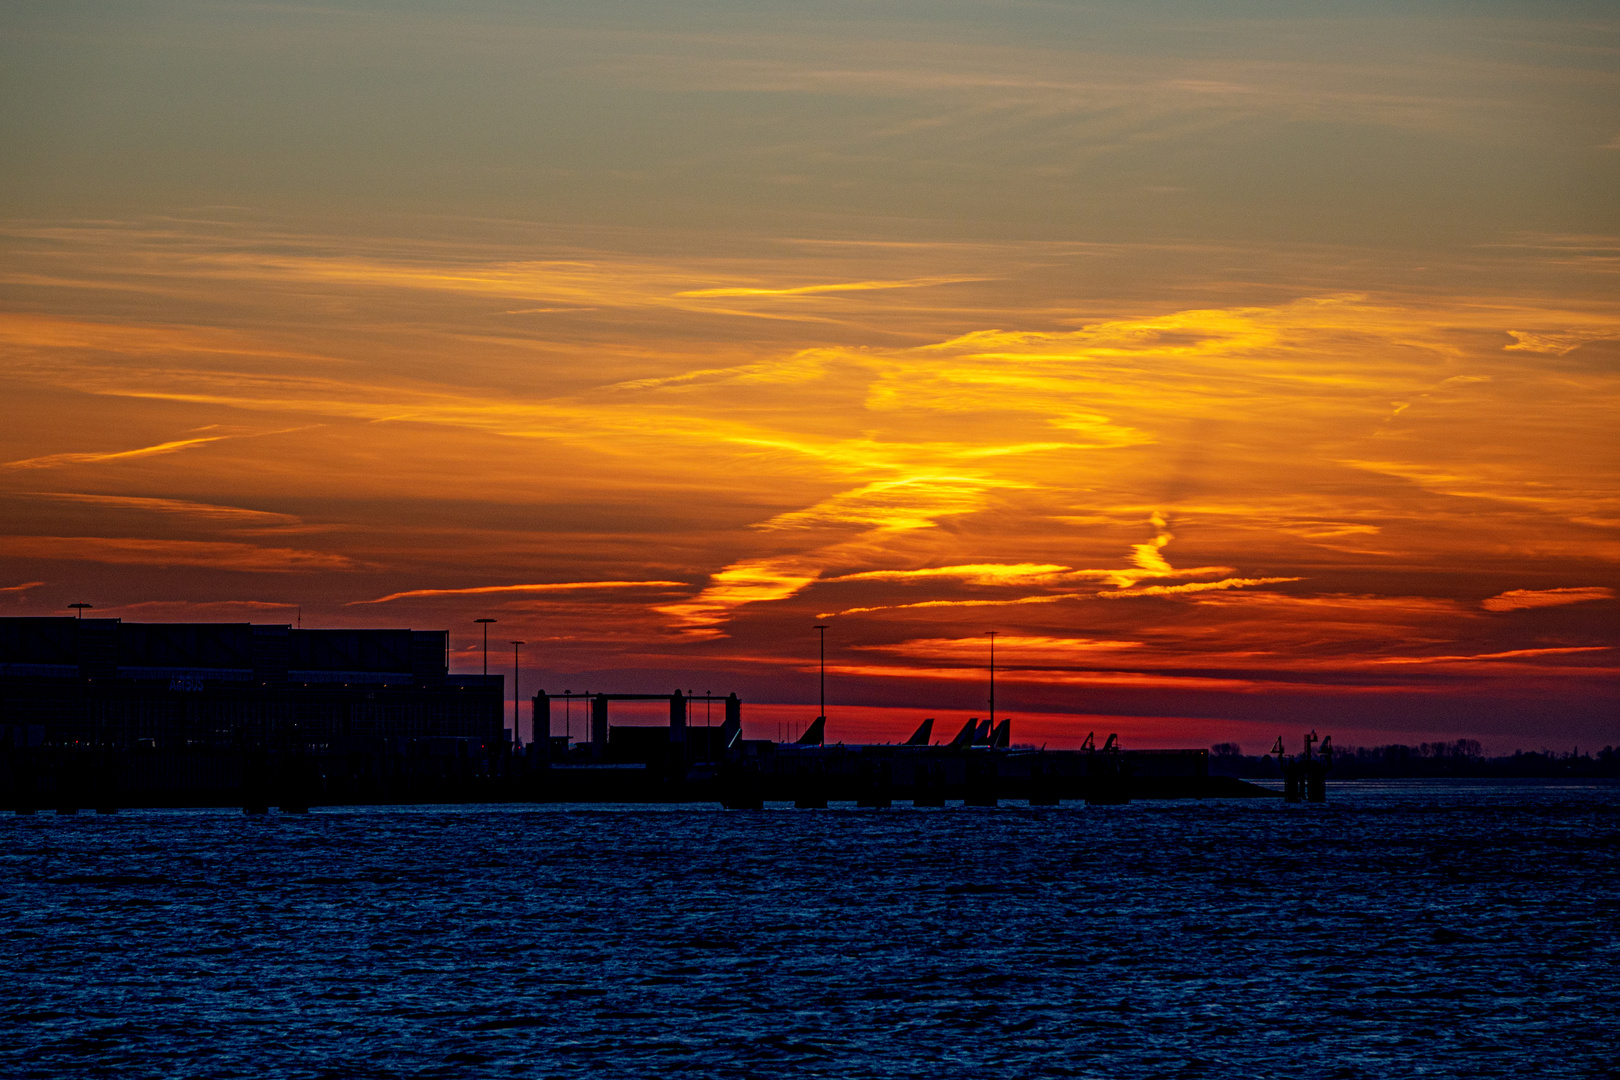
{"x":1403,"y":930}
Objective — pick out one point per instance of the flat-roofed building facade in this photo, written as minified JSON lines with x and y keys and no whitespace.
{"x":115,"y":684}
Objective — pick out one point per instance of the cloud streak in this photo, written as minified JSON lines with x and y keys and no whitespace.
{"x":56,"y":461}
{"x":1526,"y":599}
{"x":816,"y":290}
{"x":173,"y":446}
{"x":1195,"y":587}
{"x":1511,"y":654}
{"x":231,"y":515}
{"x":142,"y":551}
{"x":543,"y":587}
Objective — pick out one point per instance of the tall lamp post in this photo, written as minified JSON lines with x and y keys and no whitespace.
{"x":486,"y":623}
{"x":822,"y":630}
{"x":516,"y":697}
{"x":993,"y":679}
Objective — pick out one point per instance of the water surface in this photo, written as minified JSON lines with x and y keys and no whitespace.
{"x":1407,"y":928}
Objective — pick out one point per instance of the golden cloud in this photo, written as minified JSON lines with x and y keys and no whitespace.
{"x":750,"y":582}
{"x":970,"y":574}
{"x":1196,"y":587}
{"x":1521,"y":599}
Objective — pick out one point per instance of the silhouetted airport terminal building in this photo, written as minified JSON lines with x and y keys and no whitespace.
{"x":187,"y":706}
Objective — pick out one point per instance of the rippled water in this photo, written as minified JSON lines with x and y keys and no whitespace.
{"x":1416,"y":929}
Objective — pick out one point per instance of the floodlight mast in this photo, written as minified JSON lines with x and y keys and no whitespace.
{"x":516,"y":647}
{"x":822,"y":631}
{"x":486,"y":623}
{"x":993,"y":634}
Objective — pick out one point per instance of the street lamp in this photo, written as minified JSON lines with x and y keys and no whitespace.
{"x":486,"y":623}
{"x":81,"y":609}
{"x":516,"y":646}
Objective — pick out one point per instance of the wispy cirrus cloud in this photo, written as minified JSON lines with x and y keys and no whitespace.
{"x":232,"y":515}
{"x":970,"y":574}
{"x":912,"y":502}
{"x":1510,"y":654}
{"x":1195,"y":587}
{"x":1050,"y":598}
{"x":541,"y":587}
{"x":815,"y":290}
{"x":55,"y":461}
{"x":1524,"y":599}
{"x":172,"y":446}
{"x":142,"y":551}
{"x":204,"y":610}
{"x":1559,"y":342}
{"x":1019,"y":650}
{"x":751,"y":581}
{"x":1050,"y":677}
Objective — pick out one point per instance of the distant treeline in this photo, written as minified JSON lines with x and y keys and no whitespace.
{"x":1463,"y":757}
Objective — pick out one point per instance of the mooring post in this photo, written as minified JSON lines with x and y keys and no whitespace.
{"x":1043,"y":787}
{"x":928,"y":784}
{"x":981,"y":781}
{"x":810,"y":787}
{"x":255,"y":782}
{"x":106,"y":783}
{"x":874,"y":784}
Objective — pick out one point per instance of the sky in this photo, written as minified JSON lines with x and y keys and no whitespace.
{"x":1248,"y":368}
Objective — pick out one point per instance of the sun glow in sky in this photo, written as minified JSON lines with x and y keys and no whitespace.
{"x":1250,"y":367}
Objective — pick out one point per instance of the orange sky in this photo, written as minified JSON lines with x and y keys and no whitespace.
{"x":1248,"y":371}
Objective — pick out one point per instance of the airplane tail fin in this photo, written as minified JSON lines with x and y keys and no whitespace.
{"x":815,"y":734}
{"x":920,"y":736}
{"x":981,"y":737}
{"x":965,"y":736}
{"x":1002,"y":736}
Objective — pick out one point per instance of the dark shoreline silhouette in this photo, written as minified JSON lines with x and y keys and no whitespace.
{"x":1460,"y":758}
{"x":98,"y":714}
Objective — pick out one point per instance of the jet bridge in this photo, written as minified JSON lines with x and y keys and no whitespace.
{"x":598,"y":703}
